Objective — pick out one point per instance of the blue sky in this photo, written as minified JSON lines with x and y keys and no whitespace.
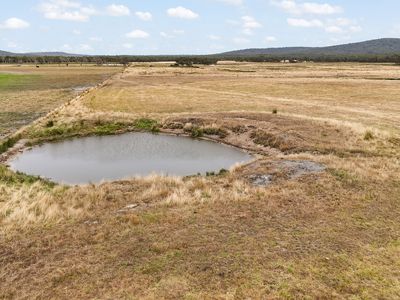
{"x":190,"y":26}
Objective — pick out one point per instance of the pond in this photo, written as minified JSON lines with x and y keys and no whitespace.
{"x":98,"y":158}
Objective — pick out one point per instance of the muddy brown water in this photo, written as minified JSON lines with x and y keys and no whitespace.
{"x":94,"y":159}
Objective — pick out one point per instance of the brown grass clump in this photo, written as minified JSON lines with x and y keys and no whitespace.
{"x":274,"y":141}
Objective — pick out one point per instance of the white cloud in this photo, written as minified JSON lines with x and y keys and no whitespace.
{"x":342,"y":25}
{"x":305,"y":23}
{"x":137,"y":34}
{"x":66,"y":10}
{"x":335,"y":26}
{"x":270,"y":39}
{"x":249,"y":24}
{"x":292,"y":7}
{"x":173,"y":34}
{"x":181,"y":12}
{"x":14,"y":23}
{"x":145,"y":16}
{"x":320,"y":9}
{"x":165,"y":35}
{"x":232,"y":2}
{"x":334,"y":29}
{"x":116,"y":10}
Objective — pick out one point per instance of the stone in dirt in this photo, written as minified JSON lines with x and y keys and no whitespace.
{"x":260,"y":180}
{"x":128,"y":208}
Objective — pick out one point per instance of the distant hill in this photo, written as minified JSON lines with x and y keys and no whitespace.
{"x":5,"y":53}
{"x":373,"y":47}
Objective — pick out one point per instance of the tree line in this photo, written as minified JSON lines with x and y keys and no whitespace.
{"x":200,"y":59}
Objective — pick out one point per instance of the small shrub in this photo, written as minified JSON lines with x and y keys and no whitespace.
{"x":50,"y":123}
{"x":223,"y":172}
{"x":196,"y":132}
{"x":108,"y":129}
{"x":174,"y":125}
{"x":215,"y":131}
{"x":155,"y":129}
{"x":146,"y":124}
{"x":98,"y":122}
{"x":368,"y":136}
{"x":210,"y":174}
{"x":8,"y":143}
{"x":267,"y":139}
{"x":239,"y":129}
{"x":344,"y":176}
{"x":56,"y":131}
{"x":275,"y":111}
{"x":9,"y":177}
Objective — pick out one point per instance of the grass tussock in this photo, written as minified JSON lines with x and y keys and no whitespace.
{"x":267,"y":139}
{"x":28,"y":201}
{"x":8,"y":143}
{"x":368,"y":135}
{"x":147,"y":125}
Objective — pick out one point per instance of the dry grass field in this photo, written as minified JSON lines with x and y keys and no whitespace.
{"x":27,"y":92}
{"x":313,"y":235}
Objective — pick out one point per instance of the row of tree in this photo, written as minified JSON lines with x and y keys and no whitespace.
{"x":192,"y":60}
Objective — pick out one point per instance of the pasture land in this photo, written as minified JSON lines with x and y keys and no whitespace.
{"x":27,"y":92}
{"x":328,"y":235}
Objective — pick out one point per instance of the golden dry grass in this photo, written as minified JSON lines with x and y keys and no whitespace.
{"x":354,"y":93}
{"x":330,"y":235}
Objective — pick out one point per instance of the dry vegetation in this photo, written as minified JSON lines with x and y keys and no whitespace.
{"x":333,"y":234}
{"x":27,"y":92}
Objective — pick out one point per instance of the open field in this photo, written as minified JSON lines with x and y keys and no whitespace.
{"x":328,"y":235}
{"x":27,"y":92}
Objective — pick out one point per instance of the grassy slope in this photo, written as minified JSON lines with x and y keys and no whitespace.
{"x":333,"y":235}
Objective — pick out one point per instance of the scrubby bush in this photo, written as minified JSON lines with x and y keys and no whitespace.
{"x":147,"y":124}
{"x":222,"y":133}
{"x":107,"y":129}
{"x":196,"y":132}
{"x":368,"y":136}
{"x":8,"y":143}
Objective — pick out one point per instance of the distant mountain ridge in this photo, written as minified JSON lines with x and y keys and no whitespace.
{"x":372,"y":47}
{"x":385,"y":46}
{"x":5,"y":53}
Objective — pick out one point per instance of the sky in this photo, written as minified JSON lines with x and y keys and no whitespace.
{"x":190,"y":26}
